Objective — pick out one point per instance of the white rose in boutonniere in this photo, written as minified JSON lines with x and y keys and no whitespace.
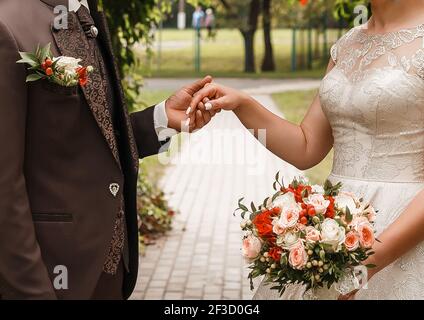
{"x":67,"y":64}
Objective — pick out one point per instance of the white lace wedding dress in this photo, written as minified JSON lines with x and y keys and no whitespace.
{"x":374,"y":101}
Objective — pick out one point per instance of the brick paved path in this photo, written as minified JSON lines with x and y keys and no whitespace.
{"x":201,"y":257}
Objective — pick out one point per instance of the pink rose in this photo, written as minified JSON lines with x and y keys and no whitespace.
{"x":251,"y":247}
{"x":318,"y":202}
{"x":298,"y":257}
{"x":352,"y":241}
{"x":312,"y":234}
{"x":366,"y":235}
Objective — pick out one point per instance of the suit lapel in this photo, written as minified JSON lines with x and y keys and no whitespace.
{"x":104,"y":34}
{"x":73,"y":42}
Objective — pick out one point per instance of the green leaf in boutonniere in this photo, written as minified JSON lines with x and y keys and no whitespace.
{"x":34,"y":77}
{"x":28,"y":58}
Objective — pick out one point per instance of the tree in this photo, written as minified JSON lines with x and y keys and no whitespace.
{"x":244,"y":15}
{"x":268,"y":62}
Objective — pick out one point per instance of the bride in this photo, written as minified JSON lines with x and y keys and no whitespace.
{"x":370,"y":109}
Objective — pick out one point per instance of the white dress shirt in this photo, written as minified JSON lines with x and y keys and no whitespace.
{"x":160,"y":117}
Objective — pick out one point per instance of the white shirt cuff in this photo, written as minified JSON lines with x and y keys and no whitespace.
{"x":160,"y":119}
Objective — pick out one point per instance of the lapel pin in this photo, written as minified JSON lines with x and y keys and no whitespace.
{"x":114,"y":189}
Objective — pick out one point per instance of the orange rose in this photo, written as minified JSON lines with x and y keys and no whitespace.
{"x":263,"y":223}
{"x":275,"y":253}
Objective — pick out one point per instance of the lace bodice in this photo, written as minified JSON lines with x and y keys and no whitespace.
{"x":374,"y":101}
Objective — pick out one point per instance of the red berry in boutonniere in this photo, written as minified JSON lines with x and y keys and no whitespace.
{"x":48,"y":62}
{"x":49,"y":72}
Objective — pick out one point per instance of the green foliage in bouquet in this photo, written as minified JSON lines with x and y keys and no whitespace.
{"x":155,"y":217}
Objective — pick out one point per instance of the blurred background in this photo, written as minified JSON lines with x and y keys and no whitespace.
{"x":277,"y":51}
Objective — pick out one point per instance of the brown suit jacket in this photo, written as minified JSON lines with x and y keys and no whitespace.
{"x":58,"y":158}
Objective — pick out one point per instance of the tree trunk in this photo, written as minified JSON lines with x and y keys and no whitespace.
{"x":249,"y":51}
{"x":249,"y":36}
{"x":268,"y":62}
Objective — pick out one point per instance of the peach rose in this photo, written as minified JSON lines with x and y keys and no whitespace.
{"x":298,"y":257}
{"x":312,"y":234}
{"x":289,"y":216}
{"x":318,"y":202}
{"x":358,"y":221}
{"x":277,"y":228}
{"x":251,"y":247}
{"x":366,"y":235}
{"x":352,"y":241}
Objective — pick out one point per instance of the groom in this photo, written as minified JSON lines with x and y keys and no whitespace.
{"x":69,"y":160}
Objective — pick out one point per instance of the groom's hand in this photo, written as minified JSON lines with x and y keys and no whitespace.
{"x":178,"y":104}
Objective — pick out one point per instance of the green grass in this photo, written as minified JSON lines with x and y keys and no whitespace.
{"x":151,"y":165}
{"x":294,"y":106}
{"x":223,"y":57}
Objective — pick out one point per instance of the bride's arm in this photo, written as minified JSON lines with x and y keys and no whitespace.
{"x":405,"y":233}
{"x":303,"y":145}
{"x":402,"y":235}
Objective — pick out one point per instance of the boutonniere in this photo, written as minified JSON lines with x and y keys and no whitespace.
{"x":64,"y":71}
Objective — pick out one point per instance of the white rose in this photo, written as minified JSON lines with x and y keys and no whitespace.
{"x":316,"y":188}
{"x":332,"y":233}
{"x":289,"y":240}
{"x":346,"y":199}
{"x":68,"y":64}
{"x":318,"y":202}
{"x":284,"y":201}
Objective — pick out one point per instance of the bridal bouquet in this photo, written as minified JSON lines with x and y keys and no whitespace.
{"x":308,"y":234}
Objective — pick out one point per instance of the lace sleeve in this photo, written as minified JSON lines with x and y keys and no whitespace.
{"x":334,"y":52}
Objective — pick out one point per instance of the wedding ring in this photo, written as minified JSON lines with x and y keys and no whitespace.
{"x":208,"y":106}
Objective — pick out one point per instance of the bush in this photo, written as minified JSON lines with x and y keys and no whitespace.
{"x":155,"y":217}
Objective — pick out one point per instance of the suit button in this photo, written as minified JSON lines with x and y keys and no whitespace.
{"x":114,"y":189}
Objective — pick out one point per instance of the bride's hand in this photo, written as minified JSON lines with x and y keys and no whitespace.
{"x":215,"y":97}
{"x":370,"y":274}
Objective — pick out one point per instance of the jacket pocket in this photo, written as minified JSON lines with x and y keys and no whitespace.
{"x":58,"y":89}
{"x":52,"y":217}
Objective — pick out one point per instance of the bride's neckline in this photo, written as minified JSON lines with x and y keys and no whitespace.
{"x":363,"y":29}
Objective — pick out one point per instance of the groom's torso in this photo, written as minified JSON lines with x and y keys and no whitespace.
{"x":80,"y":155}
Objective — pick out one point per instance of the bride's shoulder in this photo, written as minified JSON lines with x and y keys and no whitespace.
{"x":346,"y":41}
